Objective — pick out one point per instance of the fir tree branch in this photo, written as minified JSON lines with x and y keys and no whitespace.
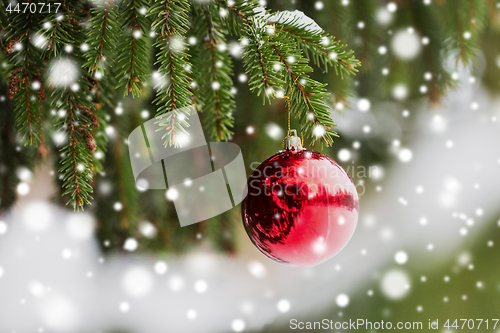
{"x":493,"y":13}
{"x":317,"y":45}
{"x":258,"y":60}
{"x":213,"y":69}
{"x":463,"y":21}
{"x":102,"y":38}
{"x":282,"y":38}
{"x":27,"y":62}
{"x":133,"y":57}
{"x":433,"y":59}
{"x":235,"y":14}
{"x":258,"y":56}
{"x":171,"y":24}
{"x":126,"y":190}
{"x":75,"y":109}
{"x":339,"y":21}
{"x":270,"y":48}
{"x":102,"y":35}
{"x":3,"y":23}
{"x":243,"y":9}
{"x":12,"y":157}
{"x":308,"y":96}
{"x":76,"y":163}
{"x":103,"y":100}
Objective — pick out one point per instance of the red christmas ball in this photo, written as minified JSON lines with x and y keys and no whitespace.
{"x":301,"y":209}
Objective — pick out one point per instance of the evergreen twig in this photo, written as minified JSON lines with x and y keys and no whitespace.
{"x":171,"y":24}
{"x":133,"y":58}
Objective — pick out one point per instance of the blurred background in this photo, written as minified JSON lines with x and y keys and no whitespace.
{"x":421,"y":118}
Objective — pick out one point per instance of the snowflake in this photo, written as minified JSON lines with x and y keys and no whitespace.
{"x":124,"y":307}
{"x":22,"y":189}
{"x":401,"y":257}
{"x":400,"y":91}
{"x":235,"y":49}
{"x":342,"y":300}
{"x":274,"y":131}
{"x":191,"y":314}
{"x":200,"y":286}
{"x":172,"y":194}
{"x":39,"y":41}
{"x":238,"y":325}
{"x":392,"y":7}
{"x":319,"y":131}
{"x":344,"y":155}
{"x":406,"y":44}
{"x":98,"y":75}
{"x":3,"y":230}
{"x":223,"y":12}
{"x":118,"y":206}
{"x":161,"y":267}
{"x":364,"y":105}
{"x":119,"y":109}
{"x":222,"y":47}
{"x":242,"y":78}
{"x":283,"y":305}
{"x":383,"y":16}
{"x":62,"y":72}
{"x":137,"y":34}
{"x":176,"y":44}
{"x":147,"y":229}
{"x":66,"y":254}
{"x":159,"y":81}
{"x":137,"y":281}
{"x":215,"y":85}
{"x":130,"y":244}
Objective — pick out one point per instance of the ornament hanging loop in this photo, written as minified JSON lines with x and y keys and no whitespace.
{"x":291,"y":141}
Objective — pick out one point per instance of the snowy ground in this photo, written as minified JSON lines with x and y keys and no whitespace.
{"x":53,"y":278}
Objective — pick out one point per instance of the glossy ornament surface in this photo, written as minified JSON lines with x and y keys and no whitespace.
{"x":301,"y":209}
